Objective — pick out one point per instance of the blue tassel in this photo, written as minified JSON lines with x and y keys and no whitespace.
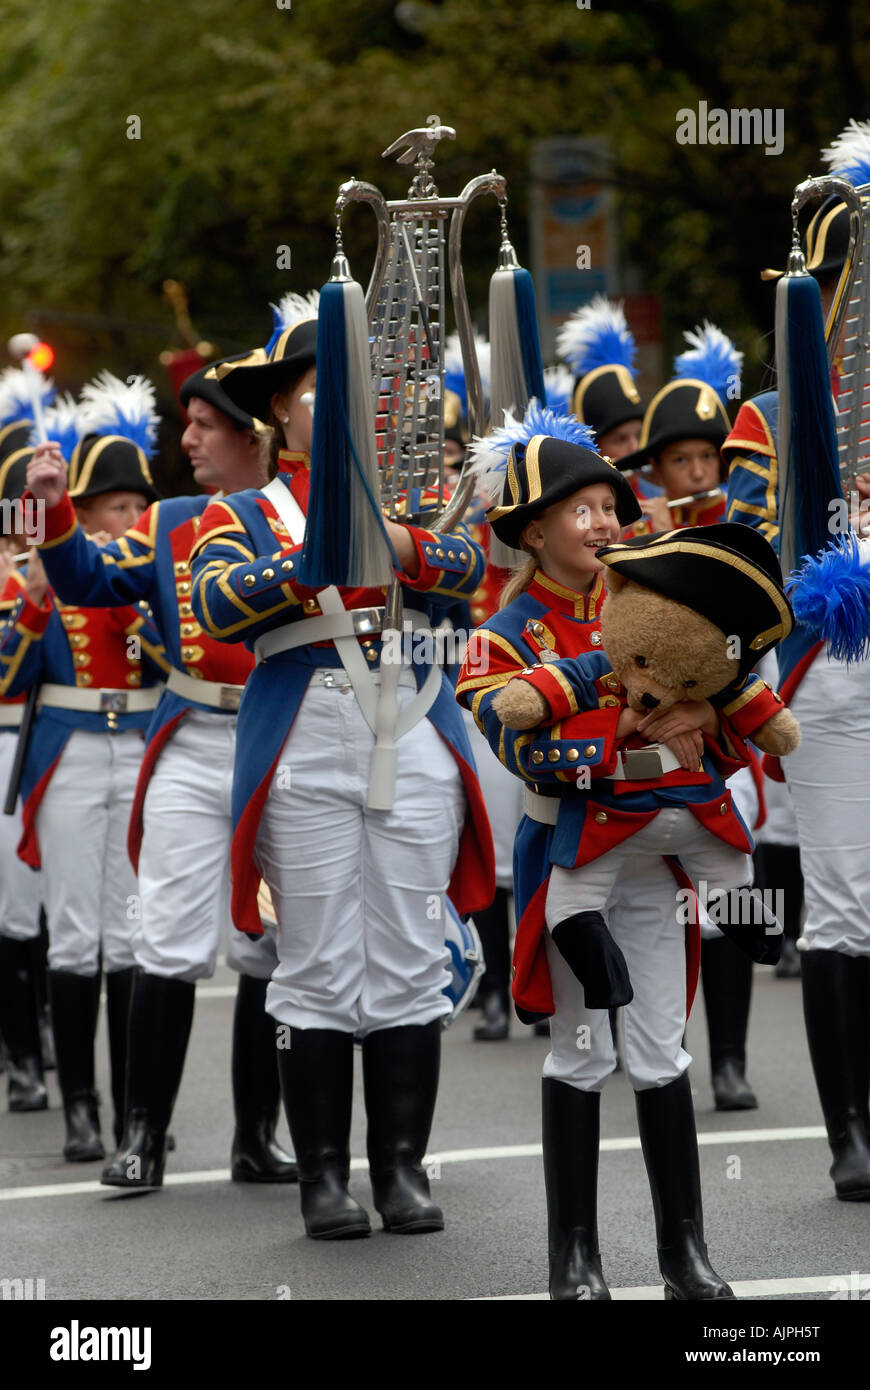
{"x":830,"y":595}
{"x":345,"y":541}
{"x":807,"y":440}
{"x":527,"y":331}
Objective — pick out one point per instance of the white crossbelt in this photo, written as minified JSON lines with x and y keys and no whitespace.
{"x":10,"y":716}
{"x":337,"y":625}
{"x":211,"y":693}
{"x":101,"y":701}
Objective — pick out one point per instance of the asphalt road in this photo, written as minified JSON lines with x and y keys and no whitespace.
{"x":773,"y":1224}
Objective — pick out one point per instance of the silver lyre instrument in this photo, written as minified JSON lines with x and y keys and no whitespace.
{"x":850,"y":307}
{"x":406,"y":303}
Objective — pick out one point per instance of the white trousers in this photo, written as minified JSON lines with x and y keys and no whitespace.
{"x":20,"y":890}
{"x":643,"y":920}
{"x":88,"y":885}
{"x":829,"y":780}
{"x":184,"y":861}
{"x":503,"y":795}
{"x":674,"y":831}
{"x":359,"y":894}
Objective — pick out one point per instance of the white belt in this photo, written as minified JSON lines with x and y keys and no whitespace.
{"x":544,"y":809}
{"x":644,"y":764}
{"x":99,"y":701}
{"x":10,"y":716}
{"x":210,"y":693}
{"x":350,"y":622}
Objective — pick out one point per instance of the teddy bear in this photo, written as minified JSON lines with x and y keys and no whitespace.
{"x":663,"y":650}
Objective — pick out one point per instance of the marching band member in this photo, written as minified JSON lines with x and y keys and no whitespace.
{"x":554,"y":481}
{"x":98,"y":673}
{"x":19,"y":886}
{"x":599,"y":347}
{"x":827,"y":775}
{"x":358,"y":893}
{"x":180,"y":825}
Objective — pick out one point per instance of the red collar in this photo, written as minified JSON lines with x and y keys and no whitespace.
{"x":560,"y":599}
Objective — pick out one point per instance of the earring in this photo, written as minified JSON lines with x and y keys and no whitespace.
{"x":285,"y":419}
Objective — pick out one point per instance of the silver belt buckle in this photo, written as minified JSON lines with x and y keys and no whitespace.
{"x":113,"y":701}
{"x":367,"y":620}
{"x":332,"y":681}
{"x":639,"y":764}
{"x":229,"y":698}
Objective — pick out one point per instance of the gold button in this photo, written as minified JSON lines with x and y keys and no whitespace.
{"x":183,"y":587}
{"x":554,"y":755}
{"x":610,"y":701}
{"x":537,"y":756}
{"x":371,"y":654}
{"x":286,"y":566}
{"x":723,"y":809}
{"x":84,"y":678}
{"x":439,"y":553}
{"x":133,"y":678}
{"x":249,"y":581}
{"x":310,"y":605}
{"x":462,"y":557}
{"x":185,"y":610}
{"x":81,"y":659}
{"x":451,"y":554}
{"x":537,"y":629}
{"x":756,"y":643}
{"x":181,"y":567}
{"x":601,"y":817}
{"x":572,"y":755}
{"x":612,"y":683}
{"x":189,"y":653}
{"x":190,"y":629}
{"x":590,"y":750}
{"x":595,"y":639}
{"x":269,"y":574}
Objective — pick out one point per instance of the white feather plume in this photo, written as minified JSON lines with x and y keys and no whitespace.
{"x":112,"y":406}
{"x":16,"y":400}
{"x":596,"y":335}
{"x":849,"y":155}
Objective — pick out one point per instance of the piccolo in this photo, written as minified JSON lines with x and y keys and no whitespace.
{"x":694,"y":497}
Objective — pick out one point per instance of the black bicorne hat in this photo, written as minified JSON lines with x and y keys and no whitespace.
{"x":727,"y":572}
{"x":606,"y":398}
{"x":13,"y":472}
{"x":109,"y":463}
{"x":205,"y":386}
{"x":545,"y":470}
{"x":14,"y":436}
{"x":251,"y":381}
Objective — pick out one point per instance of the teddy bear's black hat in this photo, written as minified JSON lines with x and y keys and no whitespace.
{"x":728,"y":573}
{"x":546,"y":470}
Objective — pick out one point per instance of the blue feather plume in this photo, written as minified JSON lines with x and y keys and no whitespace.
{"x":489,"y":453}
{"x":559,"y":384}
{"x":128,"y":409}
{"x":849,"y":155}
{"x":830,"y":595}
{"x":63,"y":424}
{"x":291,"y":309}
{"x":713,"y":358}
{"x":454,"y":369}
{"x":16,"y":401}
{"x":597,"y":335}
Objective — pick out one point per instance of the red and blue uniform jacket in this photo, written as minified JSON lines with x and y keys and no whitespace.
{"x":753,"y":498}
{"x":149,"y":563}
{"x":243,"y":564}
{"x":562,"y":626}
{"x":88,"y":648}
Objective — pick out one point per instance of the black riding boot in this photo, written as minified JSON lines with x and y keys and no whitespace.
{"x":726,"y":976}
{"x":584,"y":941}
{"x":316,"y":1069}
{"x":571,"y":1127}
{"x":39,"y":965}
{"x":19,"y":1026}
{"x":256,"y":1155}
{"x":836,"y":992}
{"x":119,"y":992}
{"x":493,"y":992}
{"x":778,"y":870}
{"x":161,"y":1014}
{"x":743,"y":915}
{"x":75,"y":1002}
{"x":400,"y":1074}
{"x":666,"y":1121}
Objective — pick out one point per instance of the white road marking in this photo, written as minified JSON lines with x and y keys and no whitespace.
{"x":830,"y":1284}
{"x":731,"y":1137}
